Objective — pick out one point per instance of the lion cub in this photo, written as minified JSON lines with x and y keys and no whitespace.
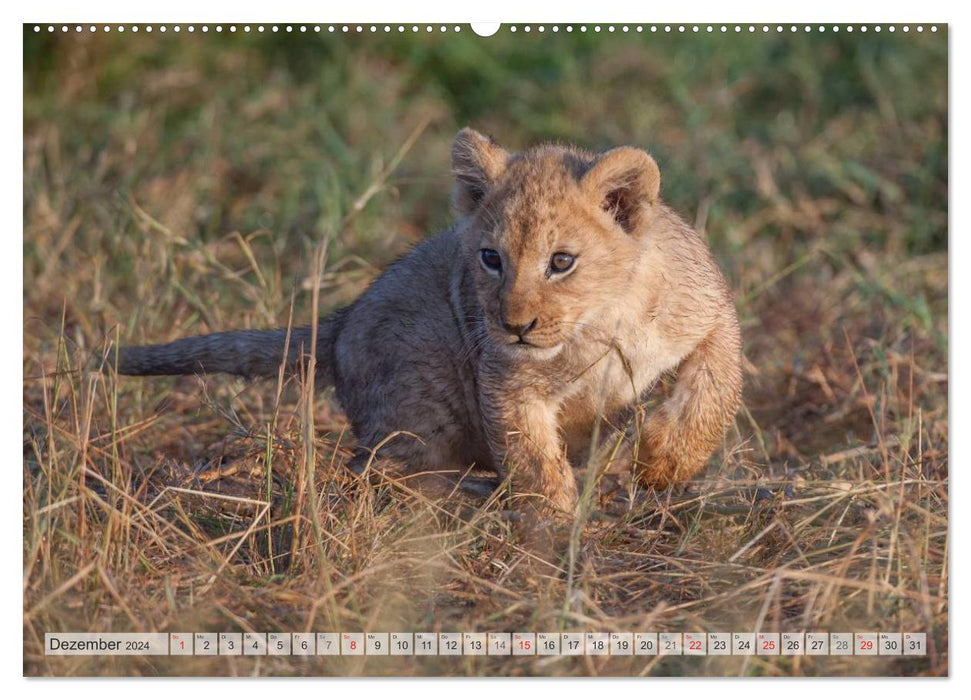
{"x":561,"y":295}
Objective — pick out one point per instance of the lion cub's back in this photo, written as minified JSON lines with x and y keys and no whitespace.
{"x":399,"y":355}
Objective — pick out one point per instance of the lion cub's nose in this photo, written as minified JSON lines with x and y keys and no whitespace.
{"x":519,"y":329}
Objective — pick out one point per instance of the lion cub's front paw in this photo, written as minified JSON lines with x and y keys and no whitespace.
{"x":656,"y":472}
{"x":662,"y":459}
{"x":558,"y":496}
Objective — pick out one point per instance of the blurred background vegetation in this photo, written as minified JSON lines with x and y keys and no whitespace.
{"x":180,"y":183}
{"x":274,"y":132}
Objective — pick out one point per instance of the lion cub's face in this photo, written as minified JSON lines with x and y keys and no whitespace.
{"x":554,"y":237}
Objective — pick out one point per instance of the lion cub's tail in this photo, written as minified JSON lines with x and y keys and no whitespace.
{"x":243,"y":353}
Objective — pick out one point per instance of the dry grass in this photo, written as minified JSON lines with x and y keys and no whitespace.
{"x":169,"y":192}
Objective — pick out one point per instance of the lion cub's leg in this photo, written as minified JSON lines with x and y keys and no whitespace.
{"x":526,"y":441}
{"x":680,"y":435}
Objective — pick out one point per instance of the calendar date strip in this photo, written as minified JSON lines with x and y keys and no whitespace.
{"x":487,"y":644}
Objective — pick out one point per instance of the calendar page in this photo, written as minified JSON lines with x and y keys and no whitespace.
{"x":522,"y":349}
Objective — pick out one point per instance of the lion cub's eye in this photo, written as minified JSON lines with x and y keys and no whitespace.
{"x":561,"y":262}
{"x":491,"y":260}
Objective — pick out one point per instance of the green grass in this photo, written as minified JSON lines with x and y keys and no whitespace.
{"x":183,"y":183}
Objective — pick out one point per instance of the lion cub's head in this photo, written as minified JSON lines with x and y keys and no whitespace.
{"x":555,"y":234}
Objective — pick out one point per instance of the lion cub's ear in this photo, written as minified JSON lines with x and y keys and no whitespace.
{"x":626,"y":183}
{"x":477,"y":161}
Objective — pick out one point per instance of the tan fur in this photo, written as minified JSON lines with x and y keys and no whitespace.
{"x":510,"y":370}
